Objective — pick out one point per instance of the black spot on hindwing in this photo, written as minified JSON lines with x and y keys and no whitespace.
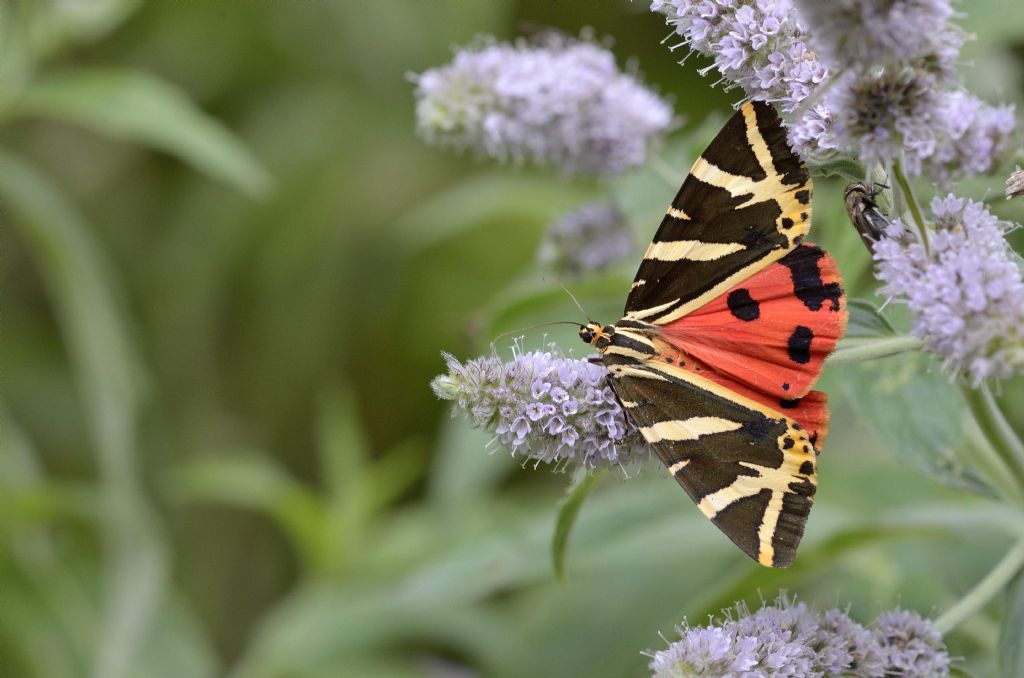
{"x":807,"y":468}
{"x":799,"y":344}
{"x":743,"y":306}
{"x":805,"y":270}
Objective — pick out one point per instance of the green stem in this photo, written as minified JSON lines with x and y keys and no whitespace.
{"x":669,"y":174}
{"x":874,"y":348}
{"x":984,"y":591}
{"x":911,"y":200}
{"x":984,"y":458}
{"x":996,"y":429}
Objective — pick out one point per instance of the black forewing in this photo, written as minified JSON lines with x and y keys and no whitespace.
{"x":745,"y":203}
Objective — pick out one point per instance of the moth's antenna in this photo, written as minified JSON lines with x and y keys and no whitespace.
{"x":574,"y":300}
{"x":533,"y":327}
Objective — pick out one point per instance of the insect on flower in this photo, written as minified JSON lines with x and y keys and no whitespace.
{"x":725,"y":330}
{"x":864,"y":213}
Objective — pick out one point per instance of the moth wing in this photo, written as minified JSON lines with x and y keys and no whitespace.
{"x":772,"y":332}
{"x":745,"y":203}
{"x":750,"y":469}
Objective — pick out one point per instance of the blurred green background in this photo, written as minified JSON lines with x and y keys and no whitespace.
{"x":229,"y":268}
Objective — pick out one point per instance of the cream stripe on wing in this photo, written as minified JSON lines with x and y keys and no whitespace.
{"x":687,"y":429}
{"x":691,"y":250}
{"x":765,"y":533}
{"x":653,"y":310}
{"x":677,"y":467}
{"x":757,"y":142}
{"x":769,"y":188}
{"x":677,"y":213}
{"x":742,"y":487}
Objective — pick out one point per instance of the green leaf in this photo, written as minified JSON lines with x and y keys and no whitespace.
{"x":917,"y":413}
{"x":842,"y":166}
{"x":568,"y":509}
{"x":51,"y":26}
{"x":1011,"y":640}
{"x":138,"y":107}
{"x":81,"y":286}
{"x":477,"y":199}
{"x":462,"y":472}
{"x":866,"y":320}
{"x":254,"y":481}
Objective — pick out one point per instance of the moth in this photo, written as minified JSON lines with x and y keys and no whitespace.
{"x":725,"y":330}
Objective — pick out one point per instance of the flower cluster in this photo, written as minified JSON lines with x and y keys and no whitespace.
{"x":978,"y":134}
{"x":965,"y":290}
{"x":590,"y":239}
{"x":875,"y":78}
{"x":788,"y":640}
{"x":868,"y":32}
{"x":557,"y":102}
{"x":545,"y":406}
{"x":761,"y":46}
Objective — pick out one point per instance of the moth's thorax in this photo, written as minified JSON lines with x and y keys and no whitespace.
{"x":597,"y":335}
{"x":627,"y":338}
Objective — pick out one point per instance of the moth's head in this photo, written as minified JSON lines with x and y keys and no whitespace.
{"x":597,"y":335}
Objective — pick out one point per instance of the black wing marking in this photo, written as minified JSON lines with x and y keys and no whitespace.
{"x":751,"y":470}
{"x":745,"y":204}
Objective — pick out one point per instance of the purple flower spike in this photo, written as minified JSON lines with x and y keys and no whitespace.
{"x":869,"y":32}
{"x":966,"y":295}
{"x":558,"y":102}
{"x":787,"y":640}
{"x":589,"y":240}
{"x":545,"y":406}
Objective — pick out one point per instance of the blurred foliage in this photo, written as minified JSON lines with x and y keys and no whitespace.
{"x":229,"y":269}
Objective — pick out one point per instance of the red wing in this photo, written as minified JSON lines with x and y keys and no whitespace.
{"x":772,"y":332}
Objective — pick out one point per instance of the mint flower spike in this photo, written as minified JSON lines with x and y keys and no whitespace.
{"x":977,"y":134}
{"x":883,"y":115}
{"x":787,"y":640}
{"x":588,"y":240}
{"x":762,"y":46}
{"x":911,"y":645}
{"x":967,"y":295}
{"x":863,"y":33}
{"x":557,"y":102}
{"x":874,"y":78}
{"x":545,"y":407}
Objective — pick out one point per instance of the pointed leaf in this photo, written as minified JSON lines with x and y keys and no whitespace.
{"x":568,"y":510}
{"x":1011,"y":642}
{"x":867,"y":321}
{"x":141,"y":108}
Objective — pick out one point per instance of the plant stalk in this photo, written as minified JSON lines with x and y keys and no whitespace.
{"x":984,"y":591}
{"x":911,"y":200}
{"x":875,"y":348}
{"x":996,"y":429}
